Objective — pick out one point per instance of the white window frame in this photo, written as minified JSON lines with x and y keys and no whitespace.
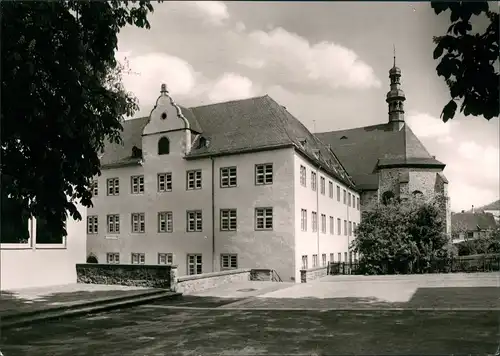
{"x":345,"y":196}
{"x":164,"y":182}
{"x":92,"y":224}
{"x":314,"y":181}
{"x":323,"y":223}
{"x":358,"y":203}
{"x":113,"y":223}
{"x":322,"y":185}
{"x":264,"y":174}
{"x":332,"y":257}
{"x":138,"y":223}
{"x":303,"y":176}
{"x":345,"y":227}
{"x":314,"y":221}
{"x":113,"y":186}
{"x":113,"y":258}
{"x":165,"y":221}
{"x":194,"y":263}
{"x":138,"y":258}
{"x":137,"y":184}
{"x":264,"y":219}
{"x":332,"y":225}
{"x":165,"y":258}
{"x":323,"y":259}
{"x":305,"y":262}
{"x":349,"y":199}
{"x":338,"y":193}
{"x":194,"y":179}
{"x":330,"y":189}
{"x":194,"y":221}
{"x":350,"y":228}
{"x":228,"y":261}
{"x":353,"y":229}
{"x":339,"y":227}
{"x":95,"y":188}
{"x":303,"y":219}
{"x":228,"y":220}
{"x":228,"y":177}
{"x":315,"y":260}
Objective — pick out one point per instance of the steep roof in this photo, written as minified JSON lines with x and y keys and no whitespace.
{"x":363,"y":150}
{"x":235,"y":127}
{"x":472,"y":221}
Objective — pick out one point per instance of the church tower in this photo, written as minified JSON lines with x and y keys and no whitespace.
{"x":395,"y":98}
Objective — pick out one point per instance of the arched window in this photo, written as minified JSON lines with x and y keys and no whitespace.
{"x":92,"y":259}
{"x":387,"y":197}
{"x":417,"y":193}
{"x":163,"y":146}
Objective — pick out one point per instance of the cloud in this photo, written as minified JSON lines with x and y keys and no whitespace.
{"x":148,"y":72}
{"x":252,"y":63}
{"x":425,"y":125}
{"x":481,"y":160}
{"x":293,"y":57}
{"x":464,"y":195}
{"x":213,"y":12}
{"x":231,"y":86}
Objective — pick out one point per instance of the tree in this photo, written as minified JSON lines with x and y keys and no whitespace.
{"x":395,"y":235}
{"x":469,"y":60}
{"x":62,"y":98}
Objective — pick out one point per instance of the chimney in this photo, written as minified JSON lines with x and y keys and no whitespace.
{"x":463,"y":211}
{"x":473,"y":209}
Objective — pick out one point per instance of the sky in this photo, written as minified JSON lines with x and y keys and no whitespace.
{"x":326,"y":62}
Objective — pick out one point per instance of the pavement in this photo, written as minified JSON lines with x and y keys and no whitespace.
{"x":22,"y":306}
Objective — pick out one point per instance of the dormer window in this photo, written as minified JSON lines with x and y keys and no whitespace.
{"x":343,"y":138}
{"x":303,"y":142}
{"x":136,"y":152}
{"x":163,"y":146}
{"x":203,"y":142}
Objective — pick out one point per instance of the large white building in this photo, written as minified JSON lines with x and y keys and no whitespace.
{"x":240,"y":184}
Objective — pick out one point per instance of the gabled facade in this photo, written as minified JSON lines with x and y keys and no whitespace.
{"x":388,"y":160}
{"x":241,"y":184}
{"x":471,"y":225}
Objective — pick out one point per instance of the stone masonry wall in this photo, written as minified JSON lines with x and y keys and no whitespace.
{"x":200,"y":282}
{"x":154,"y":276}
{"x":308,"y":275}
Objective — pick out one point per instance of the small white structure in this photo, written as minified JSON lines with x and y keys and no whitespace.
{"x":34,"y":264}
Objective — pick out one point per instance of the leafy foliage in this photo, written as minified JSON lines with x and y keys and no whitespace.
{"x":484,"y":244}
{"x":62,"y":98}
{"x":401,"y":232}
{"x":469,"y":60}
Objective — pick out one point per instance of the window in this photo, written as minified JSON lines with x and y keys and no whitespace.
{"x":16,"y":227}
{"x":339,"y":227}
{"x":330,"y":189}
{"x":113,"y":186}
{"x":194,"y":221}
{"x":138,"y":222}
{"x":331,"y":226}
{"x":350,"y":228}
{"x":315,"y":261}
{"x":193,"y":179}
{"x":264,"y":218}
{"x":338,"y":193}
{"x":349,"y":199}
{"x":194,"y":263}
{"x":345,"y":256}
{"x":354,"y":229}
{"x":339,"y":257}
{"x":314,"y":221}
{"x":163,"y":146}
{"x":264,"y":174}
{"x":304,"y":262}
{"x":113,"y":223}
{"x":345,"y":196}
{"x":314,"y":181}
{"x":358,"y":203}
{"x":323,"y":259}
{"x":353,"y":201}
{"x":228,"y":177}
{"x":345,"y":227}
{"x":113,"y":257}
{"x":228,"y":261}
{"x":323,"y":223}
{"x":387,"y":197}
{"x":417,"y":193}
{"x":165,"y":258}
{"x":303,"y":176}
{"x":322,"y":185}
{"x":165,"y":221}
{"x":303,"y":219}
{"x":164,"y":182}
{"x":137,"y":184}
{"x":138,"y":258}
{"x":332,"y":257}
{"x":95,"y":188}
{"x":228,"y":220}
{"x":92,"y":224}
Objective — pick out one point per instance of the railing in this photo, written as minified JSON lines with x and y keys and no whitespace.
{"x":275,"y":277}
{"x":418,"y":266}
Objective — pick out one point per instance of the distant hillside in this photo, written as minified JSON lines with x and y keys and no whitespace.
{"x":492,"y":206}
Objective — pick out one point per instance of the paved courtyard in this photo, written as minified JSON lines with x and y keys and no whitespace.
{"x":458,"y":314}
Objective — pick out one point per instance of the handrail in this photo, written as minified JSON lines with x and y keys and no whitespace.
{"x":275,"y":277}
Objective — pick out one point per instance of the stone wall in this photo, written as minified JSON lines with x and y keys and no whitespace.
{"x":154,"y":276}
{"x":308,"y":275}
{"x":200,"y":282}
